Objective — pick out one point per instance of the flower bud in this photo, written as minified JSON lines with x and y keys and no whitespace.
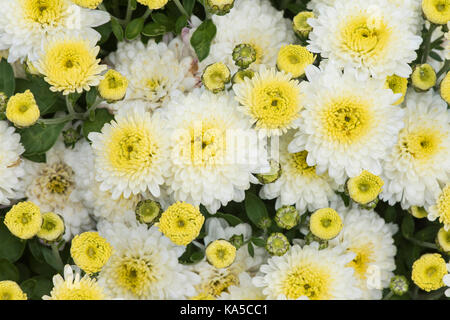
{"x":237,"y":240}
{"x":219,"y":7}
{"x":216,"y":76}
{"x":300,"y":24}
{"x":22,"y":109}
{"x":241,"y":75}
{"x":423,"y":77}
{"x":265,"y":223}
{"x":399,"y":285}
{"x":113,"y":86}
{"x":244,"y":55}
{"x":418,"y":212}
{"x":277,"y":244}
{"x":272,"y":175}
{"x":220,"y":253}
{"x":287,"y":217}
{"x":443,"y":240}
{"x":71,"y":136}
{"x":52,"y":228}
{"x":148,"y":211}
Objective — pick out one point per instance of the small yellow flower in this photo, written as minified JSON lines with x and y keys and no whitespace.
{"x":445,"y":88}
{"x":294,"y":59}
{"x":325,"y":223}
{"x":90,"y":251}
{"x":24,"y":220}
{"x":113,"y":87}
{"x":397,"y":85}
{"x":443,"y":240}
{"x":418,"y":212}
{"x":436,"y":11}
{"x":181,"y":223}
{"x":220,"y":253}
{"x":153,"y":4}
{"x":9,"y":290}
{"x":300,"y":24}
{"x":423,"y":77}
{"x":22,"y":109}
{"x":428,"y":271}
{"x":216,"y":76}
{"x":364,"y":188}
{"x":91,"y":4}
{"x":52,"y":227}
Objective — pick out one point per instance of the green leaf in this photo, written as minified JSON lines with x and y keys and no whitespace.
{"x":45,"y":98}
{"x":50,"y":258}
{"x":42,"y":288}
{"x":102,"y":116}
{"x":7,"y":82}
{"x":133,"y":4}
{"x":202,"y":38}
{"x":40,"y":138}
{"x":117,"y":29}
{"x":259,"y":242}
{"x":435,"y":56}
{"x":8,"y":271}
{"x":39,"y":158}
{"x":180,"y":24}
{"x":251,"y":250}
{"x":105,"y":32}
{"x":11,"y":247}
{"x":134,"y":28}
{"x":162,"y":19}
{"x":197,"y":256}
{"x":153,"y":29}
{"x":407,"y":226}
{"x":35,"y":248}
{"x":390,"y":214}
{"x":28,"y":287}
{"x":189,"y":6}
{"x":24,"y":271}
{"x":231,"y":219}
{"x":427,"y":234}
{"x":91,"y":96}
{"x":255,"y":208}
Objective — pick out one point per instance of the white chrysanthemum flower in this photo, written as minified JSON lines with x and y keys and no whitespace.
{"x":418,"y":164}
{"x":272,"y":100}
{"x":144,"y":264}
{"x":245,"y":290}
{"x":11,"y":166}
{"x":256,"y":23}
{"x":370,"y":238}
{"x":413,"y":7}
{"x":215,"y":281}
{"x":27,"y":24}
{"x":309,"y":273}
{"x":131,"y":154}
{"x":213,"y":150}
{"x":156,"y":72}
{"x":347,"y":125}
{"x":368,"y":36}
{"x":58,"y":185}
{"x":299,"y":184}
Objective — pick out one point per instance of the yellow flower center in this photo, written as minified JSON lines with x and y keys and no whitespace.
{"x":220,"y":253}
{"x":347,"y":120}
{"x":57,"y":178}
{"x":362,"y":260}
{"x":307,"y":280}
{"x":297,"y":161}
{"x":422,"y":143}
{"x":44,"y":12}
{"x":135,"y":274}
{"x":364,"y":188}
{"x":131,"y":149}
{"x":365,"y":37}
{"x":294,"y":59}
{"x":275,"y":104}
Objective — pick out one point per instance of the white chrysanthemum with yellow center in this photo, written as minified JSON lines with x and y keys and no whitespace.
{"x":347,"y":125}
{"x":75,"y":287}
{"x":70,"y":65}
{"x":59,"y":184}
{"x":156,"y":72}
{"x":369,"y":36}
{"x":271,"y":99}
{"x":11,"y":166}
{"x":309,"y":273}
{"x":255,"y":23}
{"x":213,"y":150}
{"x":299,"y":183}
{"x":369,"y":237}
{"x":418,"y":164}
{"x":27,"y":24}
{"x":144,"y":265}
{"x":131,"y":154}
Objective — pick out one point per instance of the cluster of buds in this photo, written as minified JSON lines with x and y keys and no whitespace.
{"x":148,"y":212}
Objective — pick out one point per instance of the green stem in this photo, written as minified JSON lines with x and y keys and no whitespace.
{"x":423,"y":243}
{"x":69,"y":106}
{"x":147,"y":13}
{"x":93,"y":107}
{"x":428,"y":42}
{"x":388,"y":296}
{"x":129,"y":13}
{"x":444,"y":69}
{"x":181,"y":8}
{"x":69,"y":117}
{"x":58,"y":259}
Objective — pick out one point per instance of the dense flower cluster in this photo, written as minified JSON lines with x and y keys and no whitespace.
{"x":270,"y":151}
